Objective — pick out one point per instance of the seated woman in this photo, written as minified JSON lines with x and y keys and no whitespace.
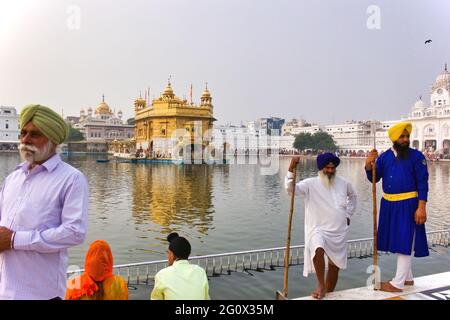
{"x":97,"y":282}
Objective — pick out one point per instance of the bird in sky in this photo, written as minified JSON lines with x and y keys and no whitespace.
{"x":428,"y":41}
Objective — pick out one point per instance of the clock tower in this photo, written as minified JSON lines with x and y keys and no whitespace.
{"x":440,"y":91}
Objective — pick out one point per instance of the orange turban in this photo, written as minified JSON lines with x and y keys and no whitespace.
{"x":98,"y":266}
{"x":396,"y":131}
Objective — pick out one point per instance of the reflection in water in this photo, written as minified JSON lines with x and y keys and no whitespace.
{"x":438,"y":207}
{"x":173,"y":196}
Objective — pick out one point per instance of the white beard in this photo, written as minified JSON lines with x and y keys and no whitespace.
{"x":326,"y":181}
{"x":33,"y":154}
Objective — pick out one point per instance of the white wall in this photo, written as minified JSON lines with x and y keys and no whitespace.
{"x":9,"y":125}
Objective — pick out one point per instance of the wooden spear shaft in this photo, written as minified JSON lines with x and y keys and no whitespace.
{"x":375,"y":236}
{"x":288,"y":242}
{"x":374,"y":200}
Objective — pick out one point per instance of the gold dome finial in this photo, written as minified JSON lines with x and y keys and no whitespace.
{"x":103,"y":107}
{"x":206,"y":98}
{"x":168,"y":91}
{"x":139,"y":103}
{"x":206,"y":92}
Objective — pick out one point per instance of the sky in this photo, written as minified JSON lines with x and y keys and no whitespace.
{"x":326,"y":61}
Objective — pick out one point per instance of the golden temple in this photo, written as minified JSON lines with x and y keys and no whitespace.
{"x":170,"y":125}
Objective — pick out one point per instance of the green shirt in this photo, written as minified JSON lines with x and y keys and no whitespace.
{"x":181,"y":281}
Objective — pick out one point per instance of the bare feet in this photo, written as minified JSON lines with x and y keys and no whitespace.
{"x":388,"y":287}
{"x":319,"y":293}
{"x":409,"y":282}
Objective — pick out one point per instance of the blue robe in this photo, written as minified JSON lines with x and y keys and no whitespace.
{"x":396,"y":225}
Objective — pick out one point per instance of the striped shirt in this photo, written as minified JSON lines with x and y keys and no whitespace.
{"x":48,"y":210}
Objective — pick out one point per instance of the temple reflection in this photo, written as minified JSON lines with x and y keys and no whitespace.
{"x":173,"y":196}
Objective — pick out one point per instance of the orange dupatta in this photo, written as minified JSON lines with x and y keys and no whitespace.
{"x":98,"y":266}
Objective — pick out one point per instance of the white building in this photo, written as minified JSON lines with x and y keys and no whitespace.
{"x":238,"y":139}
{"x":310,"y":129}
{"x":382,"y":137}
{"x":431,"y":126}
{"x":9,"y":128}
{"x":431,"y":123}
{"x":291,"y":126}
{"x":352,"y":136}
{"x":103,"y":126}
{"x":253,"y":127}
{"x":360,"y":136}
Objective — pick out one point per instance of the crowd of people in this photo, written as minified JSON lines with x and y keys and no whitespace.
{"x":147,"y":154}
{"x":8,"y":147}
{"x":436,"y":156}
{"x":429,"y":155}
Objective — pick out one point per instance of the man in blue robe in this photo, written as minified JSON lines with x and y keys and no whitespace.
{"x":401,"y":225}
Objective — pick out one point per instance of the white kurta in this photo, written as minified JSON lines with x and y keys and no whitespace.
{"x":326,"y":213}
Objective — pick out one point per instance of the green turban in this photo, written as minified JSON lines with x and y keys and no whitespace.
{"x":51,"y":124}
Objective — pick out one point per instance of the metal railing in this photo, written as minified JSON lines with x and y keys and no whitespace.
{"x":253,"y":260}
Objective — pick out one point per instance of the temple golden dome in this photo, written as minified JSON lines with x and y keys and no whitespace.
{"x":103,"y":107}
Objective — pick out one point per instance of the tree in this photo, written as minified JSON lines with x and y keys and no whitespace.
{"x":74,"y":135}
{"x":319,"y":141}
{"x":324,"y":142}
{"x":303,"y":141}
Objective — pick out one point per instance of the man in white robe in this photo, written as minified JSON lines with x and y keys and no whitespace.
{"x":329,"y":203}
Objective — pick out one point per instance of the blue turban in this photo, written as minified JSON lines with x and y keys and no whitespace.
{"x":326,"y":158}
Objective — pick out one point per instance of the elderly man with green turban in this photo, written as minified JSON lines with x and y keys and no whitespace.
{"x":48,"y":121}
{"x":43,"y":211}
{"x":52,"y":130}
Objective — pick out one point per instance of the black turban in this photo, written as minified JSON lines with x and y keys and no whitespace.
{"x":180,"y":247}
